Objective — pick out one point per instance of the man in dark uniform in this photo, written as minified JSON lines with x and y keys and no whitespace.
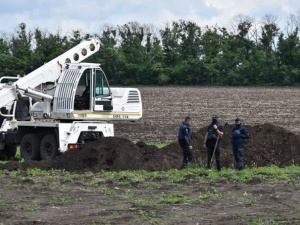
{"x":238,"y":138}
{"x":184,"y":139}
{"x":212,"y":142}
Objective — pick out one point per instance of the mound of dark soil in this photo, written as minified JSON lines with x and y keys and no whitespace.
{"x":112,"y":154}
{"x":268,"y":145}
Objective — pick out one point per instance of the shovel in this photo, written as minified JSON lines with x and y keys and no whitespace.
{"x":214,"y":150}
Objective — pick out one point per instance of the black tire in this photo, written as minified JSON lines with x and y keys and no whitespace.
{"x":10,"y":150}
{"x":30,"y":147}
{"x":48,"y":147}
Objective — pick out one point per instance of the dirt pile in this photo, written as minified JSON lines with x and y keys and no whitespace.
{"x":116,"y":154}
{"x":268,"y":145}
{"x":111,"y":154}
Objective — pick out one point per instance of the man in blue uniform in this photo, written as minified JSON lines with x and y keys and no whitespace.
{"x":212,"y":142}
{"x":184,"y":139}
{"x":238,"y":138}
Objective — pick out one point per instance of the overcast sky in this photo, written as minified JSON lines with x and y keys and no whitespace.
{"x":89,"y":15}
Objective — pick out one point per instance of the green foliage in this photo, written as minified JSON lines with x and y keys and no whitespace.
{"x":181,"y":53}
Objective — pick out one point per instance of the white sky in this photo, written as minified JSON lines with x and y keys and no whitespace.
{"x":89,"y":15}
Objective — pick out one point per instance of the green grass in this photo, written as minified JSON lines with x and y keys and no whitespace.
{"x":64,"y":199}
{"x":17,"y":157}
{"x":158,"y":144}
{"x":162,"y":199}
{"x":18,"y":154}
{"x":210,"y":194}
{"x":290,"y":174}
{"x":160,"y":183}
{"x":264,"y":222}
{"x":173,"y":198}
{"x":143,"y":202}
{"x":2,"y":202}
{"x":28,"y":208}
{"x":147,"y":215}
{"x":273,"y":173}
{"x":98,"y":222}
{"x":106,"y":191}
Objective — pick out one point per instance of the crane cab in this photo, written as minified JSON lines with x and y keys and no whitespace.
{"x":93,"y":92}
{"x":83,"y":93}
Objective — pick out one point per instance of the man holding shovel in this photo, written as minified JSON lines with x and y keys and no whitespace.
{"x":212,"y":142}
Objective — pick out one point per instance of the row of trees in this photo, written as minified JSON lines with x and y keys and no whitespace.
{"x":180,"y":53}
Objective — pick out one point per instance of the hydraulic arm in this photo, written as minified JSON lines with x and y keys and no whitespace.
{"x":49,"y":72}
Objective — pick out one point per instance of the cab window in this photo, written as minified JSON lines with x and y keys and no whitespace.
{"x":84,"y":82}
{"x":101,"y":85}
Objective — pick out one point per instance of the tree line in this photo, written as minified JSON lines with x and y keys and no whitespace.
{"x":179,"y":53}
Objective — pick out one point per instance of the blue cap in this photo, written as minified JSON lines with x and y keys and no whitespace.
{"x":215,"y":117}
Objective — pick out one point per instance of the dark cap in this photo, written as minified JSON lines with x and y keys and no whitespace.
{"x":187,"y":118}
{"x":215,"y":117}
{"x":238,"y":119}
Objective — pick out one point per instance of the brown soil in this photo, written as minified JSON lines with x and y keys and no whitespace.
{"x":75,"y":199}
{"x":26,"y":198}
{"x":268,"y":145}
{"x":164,"y":108}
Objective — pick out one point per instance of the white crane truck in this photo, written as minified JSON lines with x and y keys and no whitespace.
{"x":62,"y":105}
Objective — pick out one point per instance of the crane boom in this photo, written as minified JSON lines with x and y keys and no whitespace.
{"x":50,"y":71}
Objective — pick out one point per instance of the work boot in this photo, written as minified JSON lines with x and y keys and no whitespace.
{"x":184,"y":166}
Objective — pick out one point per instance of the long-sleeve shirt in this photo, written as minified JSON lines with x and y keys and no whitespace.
{"x":185,"y":133}
{"x":241,"y":138}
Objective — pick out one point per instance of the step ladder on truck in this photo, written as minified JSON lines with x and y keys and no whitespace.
{"x":62,"y":105}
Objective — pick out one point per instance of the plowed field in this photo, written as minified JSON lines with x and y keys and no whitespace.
{"x":165,"y":108}
{"x":81,"y":193}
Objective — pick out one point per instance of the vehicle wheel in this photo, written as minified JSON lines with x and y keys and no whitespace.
{"x":10,"y":150}
{"x":30,"y":147}
{"x":48,"y":147}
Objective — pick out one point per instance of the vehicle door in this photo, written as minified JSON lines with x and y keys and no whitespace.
{"x":102,"y":94}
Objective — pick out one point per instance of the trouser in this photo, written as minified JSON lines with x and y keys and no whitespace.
{"x":187,"y":154}
{"x":210,"y":150}
{"x":238,"y":152}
